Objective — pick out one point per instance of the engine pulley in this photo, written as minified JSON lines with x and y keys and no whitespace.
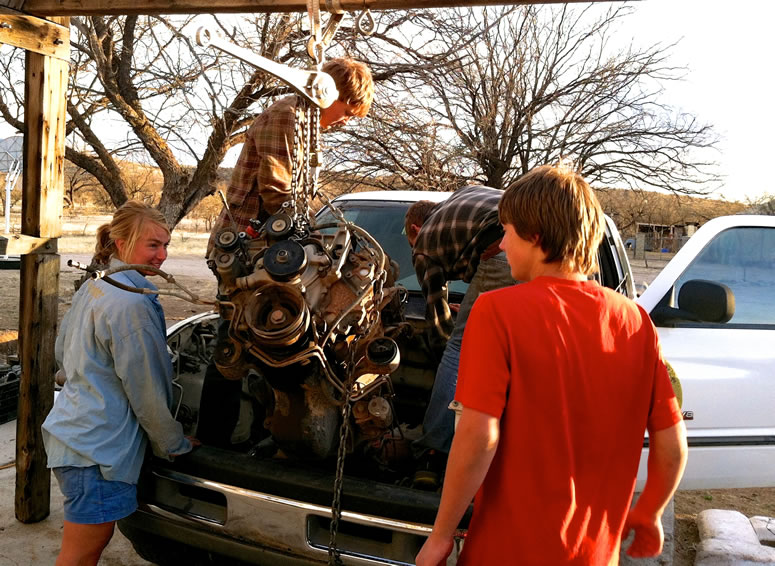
{"x":284,"y":260}
{"x":279,"y":226}
{"x":227,"y":240}
{"x":277,"y":315}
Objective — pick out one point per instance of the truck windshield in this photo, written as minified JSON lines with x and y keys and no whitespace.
{"x":385,"y":221}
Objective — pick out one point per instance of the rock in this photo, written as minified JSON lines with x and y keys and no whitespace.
{"x":719,"y":552}
{"x":765,"y":530}
{"x":726,"y":525}
{"x":729,"y":538}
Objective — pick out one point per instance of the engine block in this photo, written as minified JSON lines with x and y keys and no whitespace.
{"x":302,"y":307}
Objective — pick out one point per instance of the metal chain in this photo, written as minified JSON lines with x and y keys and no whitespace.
{"x":300,"y":160}
{"x":336,"y":506}
{"x":379,"y":293}
{"x":309,"y":170}
{"x":305,"y":163}
{"x":314,"y":155}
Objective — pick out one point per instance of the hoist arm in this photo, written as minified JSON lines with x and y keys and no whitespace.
{"x":316,"y":86}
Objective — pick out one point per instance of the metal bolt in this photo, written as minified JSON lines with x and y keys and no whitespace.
{"x":5,"y":25}
{"x":58,"y":41}
{"x":282,"y":256}
{"x":277,"y":316}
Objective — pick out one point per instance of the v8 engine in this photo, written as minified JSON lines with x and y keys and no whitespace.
{"x":304,"y":312}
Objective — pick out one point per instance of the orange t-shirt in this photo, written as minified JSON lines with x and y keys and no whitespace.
{"x":574,"y":373}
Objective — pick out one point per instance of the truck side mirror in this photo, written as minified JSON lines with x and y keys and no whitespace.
{"x":698,"y":301}
{"x":709,"y":300}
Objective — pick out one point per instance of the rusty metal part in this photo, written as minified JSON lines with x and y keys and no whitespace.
{"x":277,"y":315}
{"x":303,"y":421}
{"x":105,"y":274}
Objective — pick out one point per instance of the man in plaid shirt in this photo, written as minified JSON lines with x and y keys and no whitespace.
{"x":261,"y":180}
{"x":451,"y":240}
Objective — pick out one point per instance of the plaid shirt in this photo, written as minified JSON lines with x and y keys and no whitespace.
{"x":260,"y":182}
{"x":449,"y":247}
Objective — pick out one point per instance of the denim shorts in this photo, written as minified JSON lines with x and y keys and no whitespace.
{"x":91,"y":499}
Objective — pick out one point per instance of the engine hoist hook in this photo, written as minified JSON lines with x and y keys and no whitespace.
{"x":365,"y":23}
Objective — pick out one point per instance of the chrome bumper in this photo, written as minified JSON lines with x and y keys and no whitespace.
{"x":281,"y":525}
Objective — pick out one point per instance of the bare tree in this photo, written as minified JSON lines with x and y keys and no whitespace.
{"x":78,"y":182}
{"x":182,"y":108}
{"x":529,"y":85}
{"x":628,"y":208}
{"x":765,"y":204}
{"x":463,"y":96}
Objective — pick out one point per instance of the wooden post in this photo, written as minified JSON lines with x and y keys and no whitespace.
{"x":42,"y":197}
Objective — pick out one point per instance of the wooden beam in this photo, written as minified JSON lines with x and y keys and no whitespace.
{"x":42,"y":198}
{"x":20,"y":244}
{"x":34,"y":34}
{"x":12,"y":4}
{"x":44,"y":145}
{"x":96,"y":7}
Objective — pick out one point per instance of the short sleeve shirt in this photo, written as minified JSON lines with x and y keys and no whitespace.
{"x":575,"y":384}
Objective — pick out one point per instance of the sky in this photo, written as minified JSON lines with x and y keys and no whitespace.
{"x":727,"y":48}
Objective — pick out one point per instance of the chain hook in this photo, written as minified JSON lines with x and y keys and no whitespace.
{"x":314,"y":45}
{"x":316,"y":50}
{"x":365,"y":23}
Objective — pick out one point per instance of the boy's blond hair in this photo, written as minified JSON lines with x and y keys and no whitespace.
{"x":556,"y":204}
{"x":354,"y":83}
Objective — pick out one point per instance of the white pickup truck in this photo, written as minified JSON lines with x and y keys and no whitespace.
{"x":714,"y":307}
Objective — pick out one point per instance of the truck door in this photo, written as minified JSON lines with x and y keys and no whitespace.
{"x":727,"y":370}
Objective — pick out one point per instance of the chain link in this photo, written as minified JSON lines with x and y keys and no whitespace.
{"x":336,"y":506}
{"x":306,"y":161}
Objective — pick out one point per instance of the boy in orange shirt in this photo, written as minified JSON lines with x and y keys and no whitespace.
{"x":559,"y":378}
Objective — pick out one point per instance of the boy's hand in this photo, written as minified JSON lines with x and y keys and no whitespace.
{"x":649,"y":536}
{"x":454,"y":307}
{"x":435,"y":551}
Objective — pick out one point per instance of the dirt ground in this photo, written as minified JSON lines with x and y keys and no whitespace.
{"x":191,"y":272}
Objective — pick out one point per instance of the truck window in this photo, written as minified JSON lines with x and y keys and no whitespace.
{"x":744,"y":259}
{"x":385,"y":221}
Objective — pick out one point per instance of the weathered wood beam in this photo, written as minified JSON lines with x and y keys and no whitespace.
{"x":12,"y":4}
{"x":20,"y":244}
{"x":95,"y":7}
{"x":42,"y":198}
{"x":34,"y":34}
